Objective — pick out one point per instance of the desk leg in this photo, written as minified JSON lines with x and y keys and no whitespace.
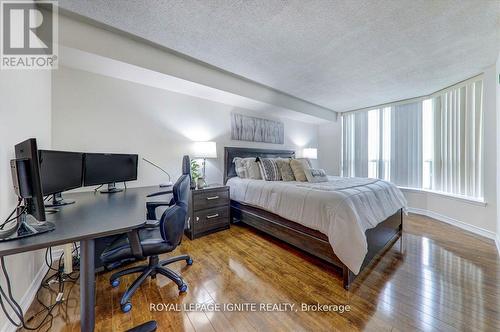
{"x":87,"y":286}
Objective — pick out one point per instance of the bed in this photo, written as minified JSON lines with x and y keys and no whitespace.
{"x":346,"y":222}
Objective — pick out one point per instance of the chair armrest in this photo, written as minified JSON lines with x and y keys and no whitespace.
{"x":135,"y":244}
{"x":151,"y":209}
{"x":151,"y":223}
{"x":161,"y":193}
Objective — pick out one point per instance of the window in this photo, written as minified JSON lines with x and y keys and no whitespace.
{"x":427,"y":143}
{"x":386,"y":144}
{"x":374,"y":145}
{"x":433,"y":143}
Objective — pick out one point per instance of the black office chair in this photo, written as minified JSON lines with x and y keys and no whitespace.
{"x":150,"y":241}
{"x":152,"y":206}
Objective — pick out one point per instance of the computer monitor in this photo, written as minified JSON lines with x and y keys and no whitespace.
{"x":109,"y":168}
{"x":28,"y":151}
{"x":29,"y":217}
{"x":60,"y":171}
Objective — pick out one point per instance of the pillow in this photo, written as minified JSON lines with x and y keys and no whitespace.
{"x":306,"y":161}
{"x":315,"y":175}
{"x":269,"y":169}
{"x":298,"y":166}
{"x":285,"y":169}
{"x":253,"y":169}
{"x":247,"y":168}
{"x":239,"y":167}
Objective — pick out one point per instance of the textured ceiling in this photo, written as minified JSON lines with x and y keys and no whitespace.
{"x":338,"y":54}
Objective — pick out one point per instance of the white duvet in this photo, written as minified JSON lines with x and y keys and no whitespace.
{"x":342,"y":208}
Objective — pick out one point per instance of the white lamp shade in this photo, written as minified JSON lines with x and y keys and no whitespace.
{"x":205,"y":150}
{"x":310,"y":153}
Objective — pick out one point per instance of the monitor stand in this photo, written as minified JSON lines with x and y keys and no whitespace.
{"x":26,"y":225}
{"x":111,"y":189}
{"x":58,"y":200}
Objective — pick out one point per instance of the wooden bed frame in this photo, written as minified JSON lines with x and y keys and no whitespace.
{"x":315,"y":243}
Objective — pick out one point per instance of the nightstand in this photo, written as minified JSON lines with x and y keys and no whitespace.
{"x":208,"y":211}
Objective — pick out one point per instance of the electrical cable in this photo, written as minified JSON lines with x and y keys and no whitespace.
{"x":9,"y":288}
{"x":15,"y":306}
{"x":10,"y":218}
{"x":10,"y":215}
{"x":8,"y":298}
{"x":49,"y":265}
{"x":62,"y":279}
{"x":7,"y":315}
{"x":20,"y":214}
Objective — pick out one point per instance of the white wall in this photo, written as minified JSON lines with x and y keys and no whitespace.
{"x":92,"y":112}
{"x":24,"y":113}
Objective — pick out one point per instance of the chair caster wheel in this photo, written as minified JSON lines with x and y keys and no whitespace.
{"x":183,"y":288}
{"x":115,"y":283}
{"x":189,"y":261}
{"x":126,"y":307}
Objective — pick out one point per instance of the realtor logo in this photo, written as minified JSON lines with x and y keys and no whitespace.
{"x":28,"y":36}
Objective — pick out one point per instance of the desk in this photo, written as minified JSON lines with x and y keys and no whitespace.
{"x":93,"y":215}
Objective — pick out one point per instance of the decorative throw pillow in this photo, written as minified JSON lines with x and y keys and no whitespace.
{"x":298,"y":166}
{"x":247,"y":168}
{"x":239,"y":167}
{"x":285,"y":169}
{"x":316,"y":175}
{"x":306,"y":161}
{"x":269,"y":169}
{"x":253,"y":169}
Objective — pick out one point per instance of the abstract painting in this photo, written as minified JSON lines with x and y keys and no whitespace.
{"x":248,"y":128}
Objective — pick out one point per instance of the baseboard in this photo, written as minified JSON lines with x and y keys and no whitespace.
{"x":30,"y":293}
{"x":460,"y":224}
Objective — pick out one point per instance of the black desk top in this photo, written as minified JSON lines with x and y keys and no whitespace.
{"x":93,"y":215}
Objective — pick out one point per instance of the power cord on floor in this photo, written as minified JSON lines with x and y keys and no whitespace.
{"x":58,"y":276}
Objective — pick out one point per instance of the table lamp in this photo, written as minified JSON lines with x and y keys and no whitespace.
{"x":205,"y":150}
{"x":311,"y":153}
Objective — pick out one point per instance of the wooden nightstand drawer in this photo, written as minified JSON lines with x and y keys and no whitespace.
{"x":211,"y":219}
{"x":208,"y":199}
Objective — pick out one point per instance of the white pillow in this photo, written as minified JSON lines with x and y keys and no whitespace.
{"x":315,"y":175}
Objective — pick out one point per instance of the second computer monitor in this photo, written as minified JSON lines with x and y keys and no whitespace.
{"x":109,"y":168}
{"x":60,"y":171}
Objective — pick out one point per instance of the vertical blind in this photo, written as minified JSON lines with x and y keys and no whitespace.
{"x":355,"y":146}
{"x":434,"y":143}
{"x":458,"y":140}
{"x":406,"y":145}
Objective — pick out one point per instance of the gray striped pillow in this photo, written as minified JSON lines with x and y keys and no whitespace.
{"x":269,"y":169}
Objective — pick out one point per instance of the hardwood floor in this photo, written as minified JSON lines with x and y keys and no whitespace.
{"x":445,"y":279}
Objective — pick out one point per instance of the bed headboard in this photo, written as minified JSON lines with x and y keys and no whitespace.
{"x":231,"y":152}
